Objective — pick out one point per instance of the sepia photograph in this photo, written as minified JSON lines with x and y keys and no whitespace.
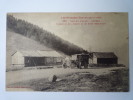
{"x":67,"y":52}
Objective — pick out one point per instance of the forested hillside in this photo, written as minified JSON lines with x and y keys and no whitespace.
{"x":42,"y":36}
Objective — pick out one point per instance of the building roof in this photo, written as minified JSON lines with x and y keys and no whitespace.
{"x":105,"y":55}
{"x":38,"y":53}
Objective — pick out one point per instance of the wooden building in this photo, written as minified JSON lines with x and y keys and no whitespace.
{"x":36,"y":58}
{"x":81,"y":60}
{"x":103,"y":58}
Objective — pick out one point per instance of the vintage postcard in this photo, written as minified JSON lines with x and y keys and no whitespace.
{"x":67,"y":52}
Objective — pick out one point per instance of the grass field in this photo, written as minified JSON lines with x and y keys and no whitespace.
{"x":86,"y":80}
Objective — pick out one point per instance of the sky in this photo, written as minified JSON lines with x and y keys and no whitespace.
{"x":109,"y":35}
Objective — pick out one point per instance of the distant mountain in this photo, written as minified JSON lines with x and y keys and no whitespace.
{"x":45,"y":38}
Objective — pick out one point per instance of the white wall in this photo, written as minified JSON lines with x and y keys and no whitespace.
{"x":17,"y":59}
{"x":94,"y":60}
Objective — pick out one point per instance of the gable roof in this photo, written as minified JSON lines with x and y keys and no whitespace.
{"x":105,"y":55}
{"x":38,"y":53}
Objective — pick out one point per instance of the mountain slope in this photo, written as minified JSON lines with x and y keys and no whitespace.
{"x":42,"y":36}
{"x":16,"y":41}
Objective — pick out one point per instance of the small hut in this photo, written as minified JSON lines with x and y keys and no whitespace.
{"x":81,"y":60}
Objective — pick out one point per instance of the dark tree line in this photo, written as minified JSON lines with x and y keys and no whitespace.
{"x":43,"y":36}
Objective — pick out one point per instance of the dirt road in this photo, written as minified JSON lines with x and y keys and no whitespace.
{"x":24,"y":75}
